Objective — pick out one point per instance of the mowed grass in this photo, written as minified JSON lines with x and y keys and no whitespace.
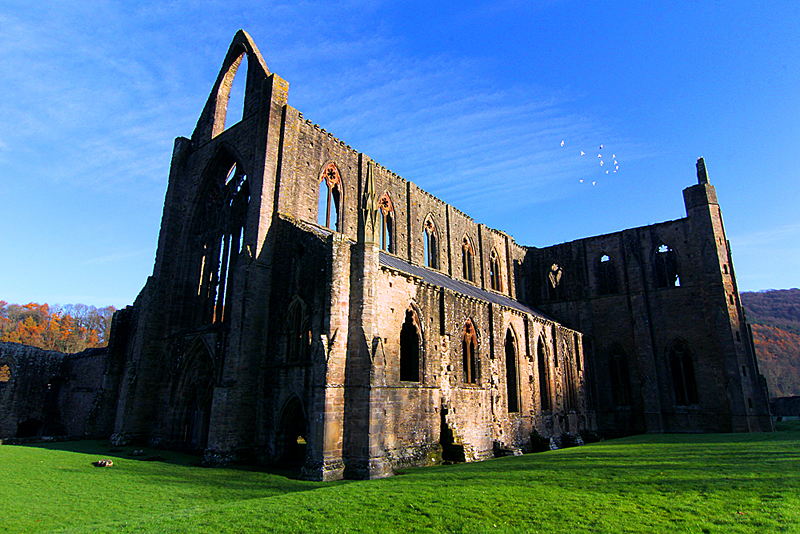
{"x":653,"y":483}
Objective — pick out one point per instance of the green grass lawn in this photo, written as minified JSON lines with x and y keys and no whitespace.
{"x":653,"y":483}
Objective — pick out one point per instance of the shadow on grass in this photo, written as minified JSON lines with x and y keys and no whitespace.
{"x":101,"y":449}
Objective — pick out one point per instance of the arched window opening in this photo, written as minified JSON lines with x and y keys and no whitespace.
{"x":431,"y":244}
{"x":293,"y":435}
{"x":387,"y":223}
{"x":467,"y":259}
{"x":512,"y":384}
{"x":555,"y":287}
{"x":666,"y":266}
{"x":330,"y":198}
{"x":410,"y":344}
{"x":495,"y":275}
{"x":620,"y":377}
{"x":606,"y":276}
{"x":469,"y":346}
{"x":5,"y":373}
{"x":236,"y":81}
{"x":219,"y":223}
{"x":683,"y":377}
{"x":193,"y":396}
{"x":544,"y":376}
{"x":298,"y":332}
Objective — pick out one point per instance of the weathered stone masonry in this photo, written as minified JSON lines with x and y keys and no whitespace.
{"x":310,"y":307}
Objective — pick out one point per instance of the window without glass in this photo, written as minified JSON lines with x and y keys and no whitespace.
{"x":219,"y":226}
{"x":495,"y":276}
{"x":606,"y":276}
{"x":512,"y":385}
{"x":666,"y":266}
{"x":555,"y":287}
{"x":431,"y":242}
{"x":330,"y":198}
{"x":469,"y":345}
{"x":410,"y":344}
{"x":544,"y":376}
{"x":467,"y":262}
{"x":387,"y":223}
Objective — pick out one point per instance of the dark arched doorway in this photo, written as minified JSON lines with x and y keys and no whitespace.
{"x":293,"y":434}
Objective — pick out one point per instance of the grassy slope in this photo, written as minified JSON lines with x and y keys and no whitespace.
{"x":685,"y":483}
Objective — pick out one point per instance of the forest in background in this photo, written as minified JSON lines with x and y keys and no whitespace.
{"x":68,"y":328}
{"x":775,"y":316}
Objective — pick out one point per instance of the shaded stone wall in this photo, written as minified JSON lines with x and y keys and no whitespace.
{"x":50,"y":393}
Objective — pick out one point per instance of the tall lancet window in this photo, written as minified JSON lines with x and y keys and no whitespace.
{"x":469,"y":348}
{"x":330,"y":198}
{"x":431,"y":243}
{"x":467,"y":259}
{"x":387,"y":223}
{"x":495,"y":275}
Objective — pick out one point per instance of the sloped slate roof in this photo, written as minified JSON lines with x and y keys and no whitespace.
{"x":441,"y":280}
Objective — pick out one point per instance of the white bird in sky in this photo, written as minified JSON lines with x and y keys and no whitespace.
{"x":562,"y":143}
{"x":582,"y":153}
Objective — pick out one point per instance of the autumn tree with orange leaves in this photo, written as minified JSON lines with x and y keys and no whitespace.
{"x":70,"y":328}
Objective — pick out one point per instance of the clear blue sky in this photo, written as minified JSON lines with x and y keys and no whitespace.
{"x":470,"y":100}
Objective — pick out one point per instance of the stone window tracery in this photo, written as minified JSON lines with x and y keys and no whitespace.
{"x":410,"y":347}
{"x":219,"y":224}
{"x":469,"y":346}
{"x":555,"y":287}
{"x":387,"y":223}
{"x":495,"y":274}
{"x":431,"y":243}
{"x":330,"y":198}
{"x":467,"y":259}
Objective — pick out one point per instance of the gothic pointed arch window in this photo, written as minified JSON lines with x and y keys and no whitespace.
{"x":468,"y":259}
{"x":410,"y":347}
{"x":298,"y":332}
{"x":606,"y":276}
{"x":495,"y":274}
{"x":620,"y":377}
{"x":665,"y":263}
{"x":431,"y":243}
{"x":683,"y":376}
{"x":544,"y":375}
{"x":330,"y":198}
{"x":219,"y":225}
{"x":555,"y":285}
{"x":512,"y":383}
{"x":387,"y":223}
{"x":469,"y":349}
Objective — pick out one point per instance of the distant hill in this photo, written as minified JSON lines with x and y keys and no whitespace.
{"x":775,"y":316}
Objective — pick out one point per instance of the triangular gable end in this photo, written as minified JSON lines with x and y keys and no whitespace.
{"x":212,"y":120}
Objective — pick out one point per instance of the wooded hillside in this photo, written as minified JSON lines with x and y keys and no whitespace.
{"x":775,"y":316}
{"x":68,"y":328}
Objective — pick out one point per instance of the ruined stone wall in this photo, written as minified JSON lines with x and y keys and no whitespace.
{"x":50,"y":393}
{"x":640,"y":314}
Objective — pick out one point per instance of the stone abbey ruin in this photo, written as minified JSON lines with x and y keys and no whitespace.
{"x":399,"y":332}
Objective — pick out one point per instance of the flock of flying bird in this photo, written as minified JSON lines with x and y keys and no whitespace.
{"x":602,"y":162}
